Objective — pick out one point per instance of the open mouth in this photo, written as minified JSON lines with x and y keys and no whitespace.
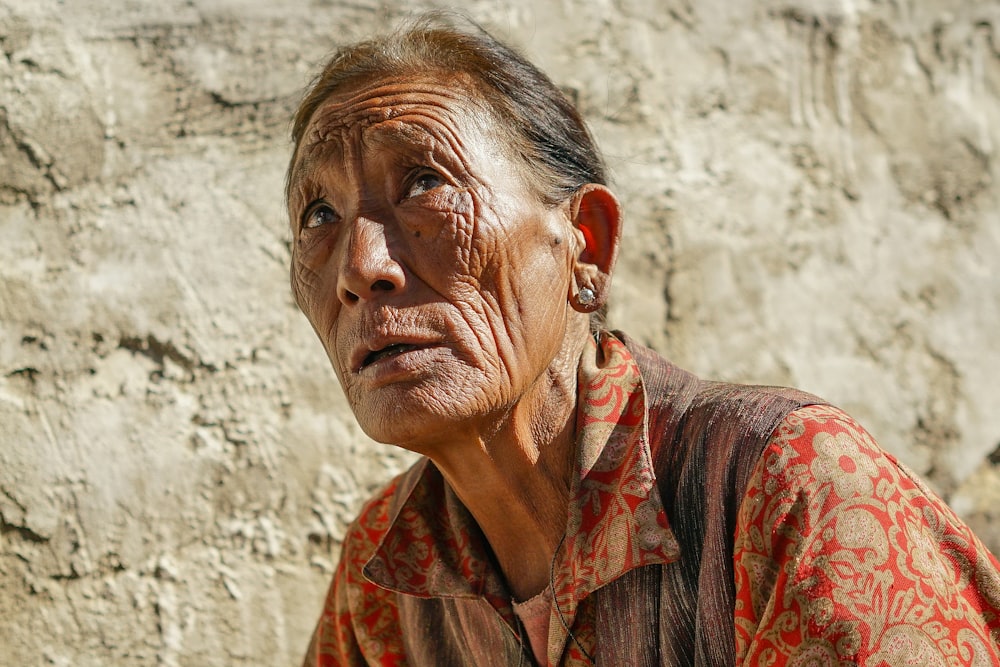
{"x":388,"y":351}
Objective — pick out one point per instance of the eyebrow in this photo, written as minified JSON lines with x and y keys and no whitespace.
{"x":409,"y":138}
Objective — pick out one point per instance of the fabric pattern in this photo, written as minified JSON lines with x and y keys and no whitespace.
{"x":840,"y":556}
{"x":844,"y":557}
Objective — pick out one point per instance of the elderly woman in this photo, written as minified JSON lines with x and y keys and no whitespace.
{"x":580,"y":500}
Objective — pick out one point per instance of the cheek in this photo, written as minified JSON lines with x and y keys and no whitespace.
{"x":521,"y":295}
{"x":314,"y":287}
{"x":443,"y":246}
{"x":522,"y":262}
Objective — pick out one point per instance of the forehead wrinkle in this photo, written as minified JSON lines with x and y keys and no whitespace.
{"x":424,"y":139}
{"x":334,"y":136}
{"x":457,"y":140}
{"x":429,"y":121}
{"x":383,"y":101}
{"x":310,"y":164}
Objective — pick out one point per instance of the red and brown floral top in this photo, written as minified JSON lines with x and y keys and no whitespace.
{"x":841,"y":555}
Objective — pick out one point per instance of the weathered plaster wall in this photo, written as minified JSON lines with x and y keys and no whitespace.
{"x":812,"y":200}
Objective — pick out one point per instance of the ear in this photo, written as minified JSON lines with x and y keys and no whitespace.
{"x":596,"y":217}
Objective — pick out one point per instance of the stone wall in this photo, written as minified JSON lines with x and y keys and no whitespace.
{"x":811,"y":194}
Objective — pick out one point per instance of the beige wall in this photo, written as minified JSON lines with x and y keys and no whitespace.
{"x":812,"y":200}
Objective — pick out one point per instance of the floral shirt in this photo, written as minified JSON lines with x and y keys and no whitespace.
{"x":841,"y":555}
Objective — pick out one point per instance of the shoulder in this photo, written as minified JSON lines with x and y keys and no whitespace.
{"x":820,"y":463}
{"x":822,"y":443}
{"x":841,"y":551}
{"x":691,"y":418}
{"x":826,"y":474}
{"x":820,"y":449}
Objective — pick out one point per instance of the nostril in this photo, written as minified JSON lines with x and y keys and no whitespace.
{"x":351,"y":297}
{"x":382,"y":286}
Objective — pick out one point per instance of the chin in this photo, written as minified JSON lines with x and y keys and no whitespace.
{"x":418,"y":417}
{"x":406,"y":421}
{"x":416,"y":436}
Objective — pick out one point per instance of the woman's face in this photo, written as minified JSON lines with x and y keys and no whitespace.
{"x":435,"y":278}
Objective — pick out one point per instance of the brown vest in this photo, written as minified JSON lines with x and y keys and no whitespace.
{"x":705,"y":438}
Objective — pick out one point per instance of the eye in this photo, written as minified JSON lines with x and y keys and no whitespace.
{"x":423,"y":181}
{"x":318,"y":214}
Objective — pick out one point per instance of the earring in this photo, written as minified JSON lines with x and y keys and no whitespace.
{"x":585,"y":296}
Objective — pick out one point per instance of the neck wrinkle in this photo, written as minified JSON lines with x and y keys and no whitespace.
{"x":517,"y":484}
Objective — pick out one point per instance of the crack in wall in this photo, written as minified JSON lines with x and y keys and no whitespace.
{"x":19,"y":530}
{"x":160,"y":351}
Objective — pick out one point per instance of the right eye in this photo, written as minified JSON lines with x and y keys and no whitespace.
{"x":318,"y":214}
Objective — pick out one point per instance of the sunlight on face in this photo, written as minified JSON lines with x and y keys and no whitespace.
{"x":433,"y":275}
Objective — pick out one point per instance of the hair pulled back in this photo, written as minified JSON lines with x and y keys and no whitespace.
{"x":541,"y":124}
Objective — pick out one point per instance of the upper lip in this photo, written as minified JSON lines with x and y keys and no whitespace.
{"x":365,"y":351}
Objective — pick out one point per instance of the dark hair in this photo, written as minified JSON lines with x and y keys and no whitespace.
{"x":544,"y":128}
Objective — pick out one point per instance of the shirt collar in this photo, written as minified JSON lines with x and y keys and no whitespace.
{"x":616,"y":521}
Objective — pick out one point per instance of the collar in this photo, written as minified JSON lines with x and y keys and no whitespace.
{"x":616,"y":522}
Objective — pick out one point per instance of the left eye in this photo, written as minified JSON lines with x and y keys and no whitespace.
{"x":424,"y":181}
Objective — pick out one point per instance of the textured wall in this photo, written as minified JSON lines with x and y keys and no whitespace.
{"x":812,"y":199}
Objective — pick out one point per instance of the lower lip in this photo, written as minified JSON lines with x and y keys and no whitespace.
{"x":403,"y":366}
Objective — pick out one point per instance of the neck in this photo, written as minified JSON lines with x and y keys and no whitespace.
{"x":516,"y":481}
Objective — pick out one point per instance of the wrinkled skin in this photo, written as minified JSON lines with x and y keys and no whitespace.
{"x":412,"y":226}
{"x":442,"y":289}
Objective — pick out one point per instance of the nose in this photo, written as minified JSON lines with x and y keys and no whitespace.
{"x":367,"y":268}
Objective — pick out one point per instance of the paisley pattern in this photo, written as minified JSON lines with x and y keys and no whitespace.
{"x":841,"y":556}
{"x":844,"y":557}
{"x":616,"y":519}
